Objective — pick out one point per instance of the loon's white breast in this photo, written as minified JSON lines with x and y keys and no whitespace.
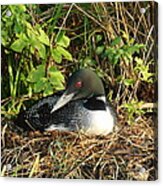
{"x":101,"y":122}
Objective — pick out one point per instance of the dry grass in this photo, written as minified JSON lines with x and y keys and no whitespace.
{"x":127,"y":153}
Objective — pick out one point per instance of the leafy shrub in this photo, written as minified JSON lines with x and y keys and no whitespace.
{"x":38,"y":42}
{"x":32,"y":56}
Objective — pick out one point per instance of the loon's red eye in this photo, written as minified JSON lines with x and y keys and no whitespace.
{"x":78,"y":84}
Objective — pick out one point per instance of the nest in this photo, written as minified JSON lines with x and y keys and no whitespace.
{"x":128,"y":153}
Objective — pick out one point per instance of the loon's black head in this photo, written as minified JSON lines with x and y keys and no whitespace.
{"x":82,"y":84}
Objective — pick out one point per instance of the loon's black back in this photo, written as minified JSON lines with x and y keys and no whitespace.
{"x":39,"y":116}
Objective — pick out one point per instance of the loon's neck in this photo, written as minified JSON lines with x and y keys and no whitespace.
{"x":95,"y":103}
{"x":101,"y":98}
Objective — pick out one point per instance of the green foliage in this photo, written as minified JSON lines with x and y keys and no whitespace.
{"x":143,"y":69}
{"x":32,"y":55}
{"x":45,"y":84}
{"x":59,"y":51}
{"x":38,"y":43}
{"x":118,"y":51}
{"x":120,"y":54}
{"x":133,"y":109}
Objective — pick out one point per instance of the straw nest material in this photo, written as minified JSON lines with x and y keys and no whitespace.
{"x":129,"y":152}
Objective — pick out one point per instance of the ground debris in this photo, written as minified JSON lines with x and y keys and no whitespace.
{"x":128,"y":153}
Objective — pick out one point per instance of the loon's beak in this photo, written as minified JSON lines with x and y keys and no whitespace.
{"x":63,"y":100}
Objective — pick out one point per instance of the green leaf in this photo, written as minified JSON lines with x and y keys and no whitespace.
{"x":43,"y":38}
{"x":18,"y":28}
{"x":132,"y":49}
{"x":100,"y":49}
{"x":36,"y":74}
{"x":40,"y":85}
{"x":56,"y":78}
{"x":119,"y":78}
{"x":63,"y":41}
{"x":56,"y":83}
{"x":57,"y":56}
{"x":41,"y":50}
{"x":64,"y":52}
{"x":139,"y":61}
{"x":18,"y":45}
{"x":116,"y":41}
{"x":59,"y":35}
{"x":115,"y":59}
{"x":98,"y":38}
{"x":56,"y":75}
{"x":88,"y":61}
{"x":52,"y":69}
{"x":125,"y":36}
{"x":32,"y":49}
{"x":22,"y":8}
{"x":110,"y":51}
{"x":48,"y":89}
{"x":23,"y":36}
{"x":28,"y":25}
{"x":31,"y":33}
{"x":128,"y":82}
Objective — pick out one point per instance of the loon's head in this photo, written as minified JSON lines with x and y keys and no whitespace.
{"x":83,"y":84}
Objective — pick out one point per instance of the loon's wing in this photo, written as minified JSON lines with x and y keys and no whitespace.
{"x":38,"y":116}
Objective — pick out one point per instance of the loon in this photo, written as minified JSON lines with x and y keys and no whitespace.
{"x":82,"y":106}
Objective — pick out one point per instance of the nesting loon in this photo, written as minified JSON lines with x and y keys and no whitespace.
{"x":82,"y":106}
